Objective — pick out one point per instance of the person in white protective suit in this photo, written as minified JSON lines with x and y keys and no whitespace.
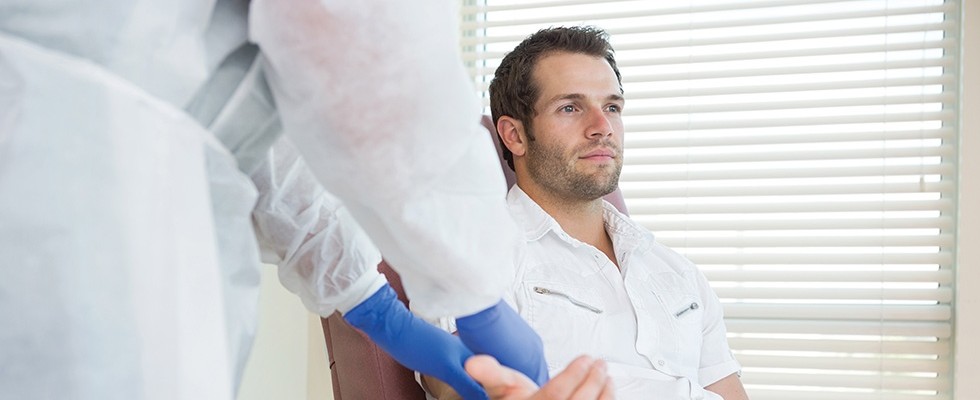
{"x":128,"y":134}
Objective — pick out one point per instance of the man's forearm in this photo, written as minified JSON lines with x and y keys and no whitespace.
{"x":730,"y":388}
{"x":438,"y":389}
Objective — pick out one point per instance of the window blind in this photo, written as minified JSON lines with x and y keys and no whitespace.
{"x":802,"y":153}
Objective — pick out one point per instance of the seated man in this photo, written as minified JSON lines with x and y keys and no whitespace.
{"x":589,"y":279}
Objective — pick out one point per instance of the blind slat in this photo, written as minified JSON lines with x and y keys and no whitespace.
{"x":944,"y":44}
{"x":942,"y":277}
{"x":941,"y":330}
{"x":656,"y":225}
{"x":706,"y":7}
{"x":693,"y":60}
{"x":795,"y":36}
{"x":818,"y":393}
{"x":730,"y":107}
{"x":695,"y":123}
{"x":740,"y":39}
{"x":802,"y":70}
{"x":808,"y":241}
{"x":886,"y":382}
{"x":483,"y":74}
{"x":761,"y":188}
{"x":782,"y":172}
{"x":944,"y":294}
{"x":939,"y":348}
{"x":942,"y":205}
{"x":939,"y":312}
{"x":698,"y":25}
{"x":804,"y":86}
{"x":941,"y":258}
{"x":695,"y":139}
{"x":843,"y":363}
{"x":679,"y":156}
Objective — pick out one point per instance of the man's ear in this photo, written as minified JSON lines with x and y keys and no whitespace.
{"x":512,"y":134}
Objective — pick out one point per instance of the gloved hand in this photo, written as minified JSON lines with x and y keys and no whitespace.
{"x":414,"y":343}
{"x":501,"y":333}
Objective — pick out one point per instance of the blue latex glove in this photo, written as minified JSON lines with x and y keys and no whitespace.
{"x":413,"y":342}
{"x":501,"y":333}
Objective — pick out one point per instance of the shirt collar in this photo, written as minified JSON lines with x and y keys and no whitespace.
{"x":627,"y":235}
{"x":529,"y":215}
{"x":535,"y":222}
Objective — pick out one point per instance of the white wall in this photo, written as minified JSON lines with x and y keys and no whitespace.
{"x":967,"y":333}
{"x":288,"y":360}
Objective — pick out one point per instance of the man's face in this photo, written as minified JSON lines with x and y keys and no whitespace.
{"x":577,"y":151}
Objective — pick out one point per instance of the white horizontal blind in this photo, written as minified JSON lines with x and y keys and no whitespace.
{"x":802,"y":153}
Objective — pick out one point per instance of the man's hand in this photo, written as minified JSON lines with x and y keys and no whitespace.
{"x":583,"y":379}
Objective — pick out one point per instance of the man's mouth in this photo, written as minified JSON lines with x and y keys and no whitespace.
{"x":599,"y":155}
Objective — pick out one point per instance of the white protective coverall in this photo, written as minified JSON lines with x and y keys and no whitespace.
{"x":128,"y":132}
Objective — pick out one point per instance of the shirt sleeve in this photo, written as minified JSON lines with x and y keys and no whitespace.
{"x":717,"y":360}
{"x":381,"y":109}
{"x":323,"y":255}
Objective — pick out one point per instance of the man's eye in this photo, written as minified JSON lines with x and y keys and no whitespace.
{"x":614,"y":108}
{"x":568,"y":109}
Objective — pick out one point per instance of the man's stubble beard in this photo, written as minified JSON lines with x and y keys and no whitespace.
{"x":550,"y":168}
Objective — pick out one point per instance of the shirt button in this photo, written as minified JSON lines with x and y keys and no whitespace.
{"x":661,"y":363}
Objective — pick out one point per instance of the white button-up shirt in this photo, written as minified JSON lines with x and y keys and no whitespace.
{"x":655,"y":320}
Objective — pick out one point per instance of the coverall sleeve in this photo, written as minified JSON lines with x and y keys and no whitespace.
{"x":323,"y":255}
{"x":380,"y":107}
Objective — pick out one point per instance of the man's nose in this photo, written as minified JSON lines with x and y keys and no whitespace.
{"x":599,"y":124}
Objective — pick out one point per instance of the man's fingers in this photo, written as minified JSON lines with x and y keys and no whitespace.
{"x":497,"y":380}
{"x":608,"y":390}
{"x":594,"y":383}
{"x":583,"y":379}
{"x":566,"y":383}
{"x":483,"y":367}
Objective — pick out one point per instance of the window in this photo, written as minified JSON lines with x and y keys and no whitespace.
{"x":802,"y":153}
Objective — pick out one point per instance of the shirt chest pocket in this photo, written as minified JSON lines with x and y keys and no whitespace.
{"x":566,"y":316}
{"x":681,"y":308}
{"x":548,"y":299}
{"x":680,"y":311}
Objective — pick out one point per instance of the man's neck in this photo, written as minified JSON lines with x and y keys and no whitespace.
{"x":580,"y":219}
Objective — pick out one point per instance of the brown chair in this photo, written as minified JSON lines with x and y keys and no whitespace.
{"x":361,"y":370}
